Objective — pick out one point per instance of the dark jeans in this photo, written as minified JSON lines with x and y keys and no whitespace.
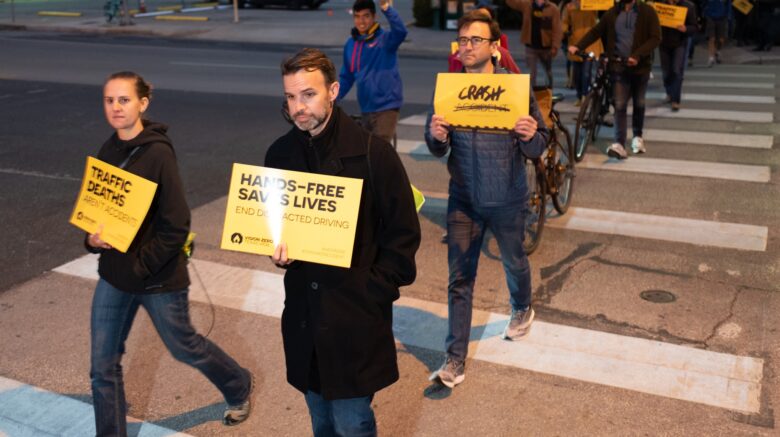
{"x":113,"y":312}
{"x":341,"y":417}
{"x":673,"y":68}
{"x":629,"y":86}
{"x":381,"y":124}
{"x":582,"y":77}
{"x":534,"y":56}
{"x":466,"y":227}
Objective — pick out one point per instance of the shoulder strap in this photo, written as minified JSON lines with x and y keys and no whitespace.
{"x":124,"y":163}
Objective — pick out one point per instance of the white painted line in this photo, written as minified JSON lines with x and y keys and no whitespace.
{"x":734,"y":84}
{"x":698,"y":97}
{"x":662,"y":369}
{"x":414,"y":120}
{"x":654,"y":227}
{"x":208,"y":8}
{"x":699,"y":114}
{"x":409,"y":147}
{"x":37,"y":174}
{"x":219,"y":65}
{"x":153,"y":14}
{"x":708,"y":138}
{"x":27,"y":411}
{"x":713,"y":170}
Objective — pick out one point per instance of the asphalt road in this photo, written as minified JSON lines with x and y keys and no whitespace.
{"x":222,"y":102}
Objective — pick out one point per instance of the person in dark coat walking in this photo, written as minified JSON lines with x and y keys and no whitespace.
{"x":337,"y":322}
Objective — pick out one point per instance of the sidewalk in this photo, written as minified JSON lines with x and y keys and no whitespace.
{"x":326,"y":27}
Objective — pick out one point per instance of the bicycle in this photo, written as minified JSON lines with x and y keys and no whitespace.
{"x":551,"y":175}
{"x":595,"y":106}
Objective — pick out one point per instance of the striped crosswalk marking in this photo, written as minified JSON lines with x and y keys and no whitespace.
{"x":688,"y":113}
{"x":658,"y":368}
{"x":28,"y":411}
{"x":714,"y":170}
{"x":650,"y":226}
{"x":697,"y":97}
{"x":735,"y":85}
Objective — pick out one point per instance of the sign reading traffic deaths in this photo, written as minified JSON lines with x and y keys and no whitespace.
{"x":670,"y":16}
{"x":596,"y":5}
{"x":315,"y":215}
{"x":743,"y":6}
{"x":113,"y":199}
{"x":493,"y":101}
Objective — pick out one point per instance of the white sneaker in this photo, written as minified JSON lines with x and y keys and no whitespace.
{"x":616,"y":150}
{"x":711,"y":62}
{"x":638,"y":145}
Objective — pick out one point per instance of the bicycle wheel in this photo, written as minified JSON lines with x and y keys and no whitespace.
{"x":562,"y":174}
{"x":534,"y":217}
{"x":585,"y":129}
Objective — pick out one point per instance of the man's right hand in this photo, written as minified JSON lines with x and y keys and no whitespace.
{"x":95,"y":241}
{"x":439,"y":128}
{"x":573,"y":50}
{"x":280,"y":256}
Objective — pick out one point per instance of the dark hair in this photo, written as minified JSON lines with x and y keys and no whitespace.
{"x":310,"y":60}
{"x":479,"y":16}
{"x":142,"y":87}
{"x":360,"y":5}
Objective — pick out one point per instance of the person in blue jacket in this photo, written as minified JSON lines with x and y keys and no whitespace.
{"x":371,"y":60}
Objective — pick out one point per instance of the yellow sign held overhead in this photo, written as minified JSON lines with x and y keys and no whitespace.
{"x":596,"y":5}
{"x":743,"y":6}
{"x":315,"y":215}
{"x":493,"y":101}
{"x":670,"y":16}
{"x":113,"y":199}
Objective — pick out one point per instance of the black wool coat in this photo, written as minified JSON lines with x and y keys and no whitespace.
{"x":337,"y":322}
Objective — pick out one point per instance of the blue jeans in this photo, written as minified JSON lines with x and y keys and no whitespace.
{"x":626,"y":86}
{"x":113,"y":312}
{"x":581,"y":75}
{"x":466,"y":226}
{"x":341,"y":417}
{"x":673,"y":67}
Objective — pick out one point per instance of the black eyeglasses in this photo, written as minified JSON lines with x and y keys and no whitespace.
{"x":475,"y":40}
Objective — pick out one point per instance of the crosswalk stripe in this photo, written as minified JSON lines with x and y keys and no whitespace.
{"x":713,"y":170}
{"x":714,"y":84}
{"x":688,"y":113}
{"x":697,"y":97}
{"x":649,"y":226}
{"x":28,"y":411}
{"x":663,"y":369}
{"x":560,"y":74}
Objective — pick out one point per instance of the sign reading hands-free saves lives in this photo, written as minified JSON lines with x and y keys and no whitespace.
{"x":112,"y":198}
{"x":670,"y":16}
{"x":493,"y":101}
{"x":315,"y":215}
{"x":596,"y":5}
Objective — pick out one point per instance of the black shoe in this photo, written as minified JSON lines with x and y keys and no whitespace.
{"x":236,"y":414}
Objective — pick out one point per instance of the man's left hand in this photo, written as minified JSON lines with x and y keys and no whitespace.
{"x":525,"y":127}
{"x":632,"y":61}
{"x":280,"y":256}
{"x":682,"y":28}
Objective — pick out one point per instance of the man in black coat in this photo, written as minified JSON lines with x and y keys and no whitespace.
{"x":337,"y":322}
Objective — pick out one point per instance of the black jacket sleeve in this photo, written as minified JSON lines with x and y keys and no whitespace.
{"x":172,"y":219}
{"x":399,"y":232}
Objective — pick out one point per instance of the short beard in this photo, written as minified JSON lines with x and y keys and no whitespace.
{"x":313,"y":124}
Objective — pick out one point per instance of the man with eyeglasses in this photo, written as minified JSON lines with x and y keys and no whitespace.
{"x":487,"y":189}
{"x":371,"y":61}
{"x":541,"y":33}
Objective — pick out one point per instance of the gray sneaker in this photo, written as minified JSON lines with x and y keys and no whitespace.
{"x":519,"y":324}
{"x":451,"y":373}
{"x":236,"y":414}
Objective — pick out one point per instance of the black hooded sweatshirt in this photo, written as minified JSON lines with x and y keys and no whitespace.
{"x":154,"y":262}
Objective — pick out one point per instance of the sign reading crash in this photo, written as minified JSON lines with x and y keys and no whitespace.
{"x":315,"y":215}
{"x":491,"y":101}
{"x":112,"y":198}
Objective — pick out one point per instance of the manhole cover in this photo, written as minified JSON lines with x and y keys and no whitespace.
{"x":658,"y":296}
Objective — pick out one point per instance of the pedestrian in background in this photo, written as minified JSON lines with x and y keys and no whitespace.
{"x":577,"y":23}
{"x":153,"y":271}
{"x":541,"y":34}
{"x":371,"y":61}
{"x":674,"y":44}
{"x":487,"y":189}
{"x":717,"y":14}
{"x":337,"y":323}
{"x":631,"y":31}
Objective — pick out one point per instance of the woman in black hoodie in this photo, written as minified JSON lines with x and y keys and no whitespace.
{"x":153,"y":271}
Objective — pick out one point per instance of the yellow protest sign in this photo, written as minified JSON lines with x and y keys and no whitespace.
{"x":670,"y":16}
{"x":482,"y":100}
{"x":315,"y":215}
{"x":112,"y":198}
{"x":743,"y":6}
{"x":419,"y":198}
{"x":596,"y":5}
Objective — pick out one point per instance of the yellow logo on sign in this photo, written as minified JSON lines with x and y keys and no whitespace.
{"x":596,"y":5}
{"x":670,"y":16}
{"x":112,"y":198}
{"x":315,"y":215}
{"x":493,"y":101}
